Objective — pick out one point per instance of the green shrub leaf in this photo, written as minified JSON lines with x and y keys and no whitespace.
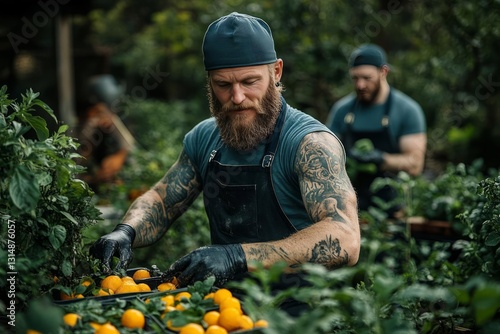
{"x":492,"y":239}
{"x":66,"y":268}
{"x":57,"y":236}
{"x":40,"y":126}
{"x":23,"y":189}
{"x":70,"y":217}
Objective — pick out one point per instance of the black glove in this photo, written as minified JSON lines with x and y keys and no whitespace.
{"x":374,"y":156}
{"x":118,"y":242}
{"x":224,"y":262}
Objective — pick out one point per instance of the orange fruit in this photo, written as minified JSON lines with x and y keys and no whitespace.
{"x":168,"y":308}
{"x":221,"y":294}
{"x":141,"y":274}
{"x":174,"y":281}
{"x":230,"y":302}
{"x":33,"y":331}
{"x":172,"y":328}
{"x":86,"y":283}
{"x":128,"y":287}
{"x":79,"y":296}
{"x":246,"y":322}
{"x":230,"y":319}
{"x":261,"y":323}
{"x":168,"y":300}
{"x":183,"y":294}
{"x":111,"y":282}
{"x":71,"y":319}
{"x":214,"y":329}
{"x":144,"y":287}
{"x":210,"y":295}
{"x":180,"y":307}
{"x":133,"y":318}
{"x":192,"y":328}
{"x":127,"y":279}
{"x":95,"y":325}
{"x":107,"y":328}
{"x":105,"y":292}
{"x":166,"y":286}
{"x":211,"y":318}
{"x":65,"y":296}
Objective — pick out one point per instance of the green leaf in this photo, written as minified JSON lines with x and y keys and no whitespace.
{"x":63,"y":176}
{"x":486,"y":303}
{"x":70,"y":217}
{"x":40,"y":126}
{"x":62,"y":128}
{"x":66,"y":268}
{"x":45,"y":107}
{"x":492,"y":239}
{"x":57,"y":236}
{"x":23,"y":189}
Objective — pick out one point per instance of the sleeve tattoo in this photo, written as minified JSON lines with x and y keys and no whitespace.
{"x":326,"y":189}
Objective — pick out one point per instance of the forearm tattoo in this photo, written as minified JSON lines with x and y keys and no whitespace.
{"x":329,"y":253}
{"x":154,"y":213}
{"x":268,"y":251}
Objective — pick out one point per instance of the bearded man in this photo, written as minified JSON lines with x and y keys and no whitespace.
{"x":391,"y":120}
{"x":273,"y":179}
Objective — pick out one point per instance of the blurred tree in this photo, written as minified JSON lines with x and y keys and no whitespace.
{"x":442,"y":54}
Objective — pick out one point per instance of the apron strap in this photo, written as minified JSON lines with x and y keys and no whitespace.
{"x":268,"y":158}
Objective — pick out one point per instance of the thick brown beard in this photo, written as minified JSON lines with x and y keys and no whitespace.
{"x":236,"y":134}
{"x":372,"y":97}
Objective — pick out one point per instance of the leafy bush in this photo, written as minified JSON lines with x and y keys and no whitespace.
{"x":44,"y":207}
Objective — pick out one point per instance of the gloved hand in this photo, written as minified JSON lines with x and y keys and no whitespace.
{"x":118,"y":242}
{"x":224,"y":262}
{"x":374,"y":156}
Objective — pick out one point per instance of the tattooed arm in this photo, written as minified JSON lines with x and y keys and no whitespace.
{"x":152,"y":214}
{"x":333,"y":240}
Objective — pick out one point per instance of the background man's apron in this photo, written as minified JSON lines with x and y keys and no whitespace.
{"x":381,"y":140}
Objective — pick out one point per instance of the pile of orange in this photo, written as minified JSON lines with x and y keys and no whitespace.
{"x":114,"y":284}
{"x":229,"y":316}
{"x":85,"y":282}
{"x":226,"y":318}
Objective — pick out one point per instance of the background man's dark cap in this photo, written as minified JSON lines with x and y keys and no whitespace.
{"x":368,"y":54}
{"x":237,"y":40}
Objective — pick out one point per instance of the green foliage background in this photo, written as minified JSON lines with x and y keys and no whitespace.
{"x":442,"y":54}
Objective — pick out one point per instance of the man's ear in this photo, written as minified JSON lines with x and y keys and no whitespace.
{"x":278,"y":69}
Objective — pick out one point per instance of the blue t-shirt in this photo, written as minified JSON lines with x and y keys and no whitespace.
{"x":405,"y":117}
{"x":204,"y":137}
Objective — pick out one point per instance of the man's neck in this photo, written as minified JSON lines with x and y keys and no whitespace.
{"x":383,"y":93}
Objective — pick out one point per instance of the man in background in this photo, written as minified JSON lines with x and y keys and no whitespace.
{"x":378,"y":125}
{"x":105,"y":142}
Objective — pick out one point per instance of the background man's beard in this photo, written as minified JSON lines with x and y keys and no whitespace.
{"x":234,"y":131}
{"x":370,"y":98}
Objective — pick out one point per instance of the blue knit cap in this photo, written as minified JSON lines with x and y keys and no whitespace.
{"x":368,"y":54}
{"x":237,"y":40}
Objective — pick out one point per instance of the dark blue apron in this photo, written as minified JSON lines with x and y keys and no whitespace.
{"x":381,"y":140}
